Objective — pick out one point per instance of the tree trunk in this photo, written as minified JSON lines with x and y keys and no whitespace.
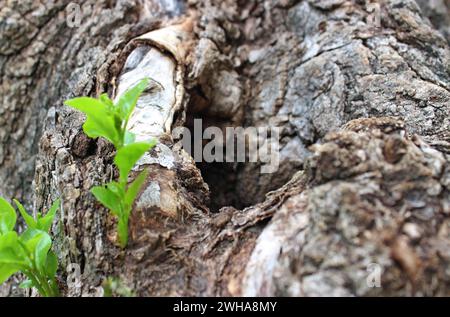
{"x":360,"y":90}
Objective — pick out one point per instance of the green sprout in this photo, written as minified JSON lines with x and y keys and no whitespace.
{"x":30,"y":252}
{"x":109,"y":120}
{"x":113,"y":287}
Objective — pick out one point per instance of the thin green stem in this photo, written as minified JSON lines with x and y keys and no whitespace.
{"x":36,"y":283}
{"x":54,"y":287}
{"x":123,"y":230}
{"x":40,"y":282}
{"x":44,"y":282}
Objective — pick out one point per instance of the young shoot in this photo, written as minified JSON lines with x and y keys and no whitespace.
{"x":30,"y":252}
{"x":109,"y":120}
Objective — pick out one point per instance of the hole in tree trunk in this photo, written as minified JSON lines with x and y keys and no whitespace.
{"x":221,"y":177}
{"x":239,"y":185}
{"x":229,"y":182}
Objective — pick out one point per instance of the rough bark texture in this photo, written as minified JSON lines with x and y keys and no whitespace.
{"x":437,"y":12}
{"x":362,"y":97}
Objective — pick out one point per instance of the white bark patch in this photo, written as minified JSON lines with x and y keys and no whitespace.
{"x":262,"y":263}
{"x":164,"y":157}
{"x":261,"y":268}
{"x":153,"y":108}
{"x":159,"y":55}
{"x":150,"y":197}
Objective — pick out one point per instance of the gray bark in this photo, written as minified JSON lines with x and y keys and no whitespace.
{"x":437,"y":12}
{"x":363,"y":101}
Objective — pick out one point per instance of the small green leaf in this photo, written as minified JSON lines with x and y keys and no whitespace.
{"x":45,"y":222}
{"x":38,"y":243}
{"x":108,"y":198}
{"x":11,"y":253}
{"x":51,"y":265}
{"x":128,"y":100}
{"x":107,"y":102}
{"x":11,"y":257}
{"x":113,"y":286}
{"x":28,"y":234}
{"x":30,"y":238}
{"x":26,"y":284}
{"x":108,"y":286}
{"x":99,"y":121}
{"x":127,"y":157}
{"x":29,"y":220}
{"x":116,"y":188}
{"x":134,"y":189}
{"x":8,"y":217}
{"x":41,"y":250}
{"x":6,"y":270}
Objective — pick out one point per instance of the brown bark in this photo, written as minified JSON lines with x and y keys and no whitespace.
{"x":349,"y":192}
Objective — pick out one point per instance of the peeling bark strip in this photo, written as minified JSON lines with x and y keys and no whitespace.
{"x":159,"y":55}
{"x":357,"y":187}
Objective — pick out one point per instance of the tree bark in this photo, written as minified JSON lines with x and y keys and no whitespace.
{"x":361,"y":92}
